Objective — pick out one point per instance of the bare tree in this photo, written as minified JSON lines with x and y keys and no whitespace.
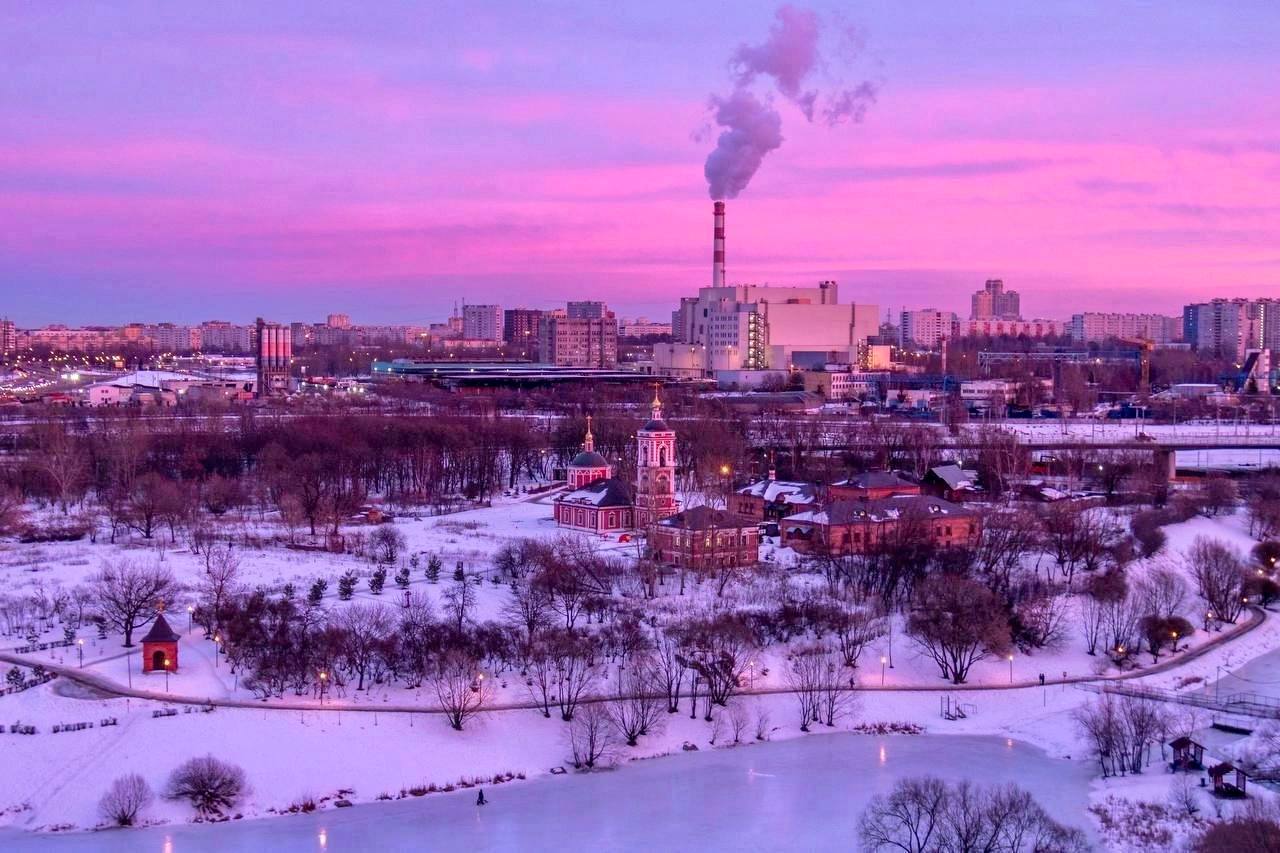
{"x":363,"y":630}
{"x":906,"y":819}
{"x":460,"y":687}
{"x":209,"y":783}
{"x":459,"y":600}
{"x":1220,"y":577}
{"x":638,"y":709}
{"x":128,"y":594}
{"x":958,"y":622}
{"x":127,"y":796}
{"x":924,"y":815}
{"x":592,"y":741}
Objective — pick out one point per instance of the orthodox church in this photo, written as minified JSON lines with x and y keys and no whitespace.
{"x":598,"y":502}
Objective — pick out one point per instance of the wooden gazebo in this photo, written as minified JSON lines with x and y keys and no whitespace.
{"x":1226,"y":785}
{"x":1187,"y":754}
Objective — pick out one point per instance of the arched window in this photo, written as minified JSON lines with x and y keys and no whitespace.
{"x":662,"y":457}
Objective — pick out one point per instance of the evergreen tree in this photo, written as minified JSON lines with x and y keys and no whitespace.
{"x":377,"y":580}
{"x":347,"y":585}
{"x":402,"y":577}
{"x":459,"y":573}
{"x":434,"y":565}
{"x":316,"y":593}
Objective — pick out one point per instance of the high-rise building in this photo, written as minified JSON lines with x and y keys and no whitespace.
{"x":993,"y":302}
{"x":578,"y":341}
{"x":221,"y":336}
{"x":482,"y":323}
{"x":586,"y":310}
{"x":274,"y":348}
{"x":1096,"y":326}
{"x":753,"y":328}
{"x":926,"y":327}
{"x":1230,"y":328}
{"x":338,"y":321}
{"x":520,"y":329}
{"x":8,"y":337}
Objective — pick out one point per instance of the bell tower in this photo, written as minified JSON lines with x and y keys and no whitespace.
{"x":655,"y":469}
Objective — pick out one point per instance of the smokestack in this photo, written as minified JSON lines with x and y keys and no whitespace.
{"x":717,"y":247}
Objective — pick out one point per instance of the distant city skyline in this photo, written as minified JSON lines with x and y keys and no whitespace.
{"x":285,"y":161}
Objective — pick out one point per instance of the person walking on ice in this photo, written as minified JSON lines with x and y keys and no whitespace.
{"x":480,"y":800}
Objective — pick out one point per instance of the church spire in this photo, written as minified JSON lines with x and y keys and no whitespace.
{"x":655,"y":408}
{"x":589,"y":442}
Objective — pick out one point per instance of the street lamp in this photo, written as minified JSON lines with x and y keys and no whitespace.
{"x":166,"y":675}
{"x":217,"y":640}
{"x":883,"y":661}
{"x":190,"y":611}
{"x":1011,"y":669}
{"x":80,"y":648}
{"x":324,"y":680}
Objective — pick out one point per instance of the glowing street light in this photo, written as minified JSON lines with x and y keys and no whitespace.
{"x":80,"y":645}
{"x":190,"y":610}
{"x":217,"y":641}
{"x":324,"y":681}
{"x":1011,"y":669}
{"x":883,"y":661}
{"x":166,"y":675}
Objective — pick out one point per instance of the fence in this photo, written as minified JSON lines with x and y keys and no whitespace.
{"x":1245,"y":704}
{"x":44,"y":678}
{"x":43,"y":647}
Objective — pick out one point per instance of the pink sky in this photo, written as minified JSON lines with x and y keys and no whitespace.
{"x":233,"y":161}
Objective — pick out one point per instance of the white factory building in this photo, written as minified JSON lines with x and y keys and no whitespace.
{"x":741,"y":333}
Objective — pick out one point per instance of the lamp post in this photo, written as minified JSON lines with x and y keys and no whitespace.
{"x":324,"y":680}
{"x":166,"y":674}
{"x":883,"y":659}
{"x":217,"y":641}
{"x":1011,"y":669}
{"x":80,"y":649}
{"x":190,"y":611}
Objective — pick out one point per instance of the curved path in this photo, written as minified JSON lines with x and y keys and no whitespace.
{"x":105,"y":685}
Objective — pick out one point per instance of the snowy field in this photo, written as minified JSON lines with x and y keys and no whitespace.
{"x":308,"y":752}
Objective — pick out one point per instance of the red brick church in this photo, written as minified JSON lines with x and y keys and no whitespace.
{"x":599,"y":502}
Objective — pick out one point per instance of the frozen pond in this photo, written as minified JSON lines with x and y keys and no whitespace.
{"x":803,"y":794}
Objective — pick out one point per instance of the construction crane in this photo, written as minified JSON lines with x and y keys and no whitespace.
{"x":1145,"y":346}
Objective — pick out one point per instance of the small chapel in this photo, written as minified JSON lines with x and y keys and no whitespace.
{"x":598,"y":502}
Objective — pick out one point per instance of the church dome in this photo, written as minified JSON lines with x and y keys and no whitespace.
{"x":589,"y":459}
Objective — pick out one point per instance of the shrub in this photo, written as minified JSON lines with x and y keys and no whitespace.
{"x":126,"y":797}
{"x":1146,"y":529}
{"x":209,"y":783}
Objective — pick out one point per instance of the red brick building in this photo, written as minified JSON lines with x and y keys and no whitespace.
{"x":872,"y":485}
{"x":855,"y":527}
{"x":769,"y":500}
{"x":705,"y":538}
{"x":604,"y":507}
{"x":160,"y":647}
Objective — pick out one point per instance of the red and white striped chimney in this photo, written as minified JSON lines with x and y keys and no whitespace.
{"x":717,"y":247}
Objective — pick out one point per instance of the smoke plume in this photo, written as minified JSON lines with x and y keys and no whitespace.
{"x":790,"y":59}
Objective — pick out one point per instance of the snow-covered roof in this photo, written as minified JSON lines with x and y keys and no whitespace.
{"x":875,"y":480}
{"x":707,"y":518}
{"x":883,"y":509}
{"x":954,"y":476}
{"x":602,"y":493}
{"x":772,"y":491}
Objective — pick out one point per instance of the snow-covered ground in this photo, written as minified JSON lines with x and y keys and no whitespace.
{"x":293,"y":754}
